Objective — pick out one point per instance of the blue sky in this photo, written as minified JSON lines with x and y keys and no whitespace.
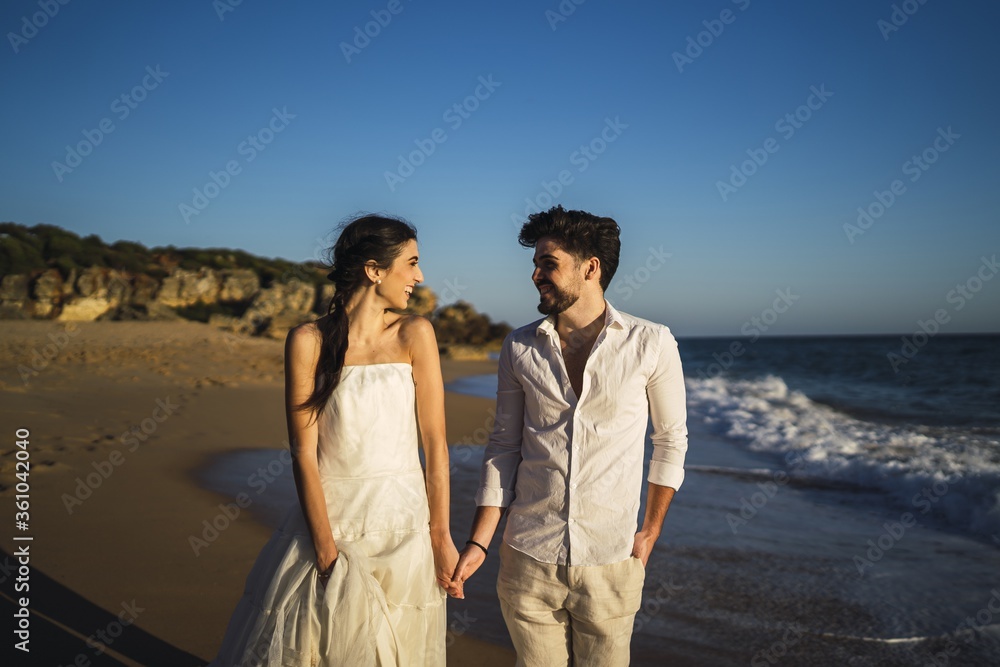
{"x":702,"y":257}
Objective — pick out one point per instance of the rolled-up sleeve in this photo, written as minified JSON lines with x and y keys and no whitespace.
{"x":503,"y":452}
{"x":668,"y":412}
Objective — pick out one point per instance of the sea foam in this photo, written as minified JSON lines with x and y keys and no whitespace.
{"x":951,"y":473}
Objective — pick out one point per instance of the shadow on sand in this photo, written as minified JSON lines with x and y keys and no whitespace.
{"x":61,"y":622}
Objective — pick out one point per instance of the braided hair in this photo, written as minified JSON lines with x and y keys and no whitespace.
{"x":366,"y":238}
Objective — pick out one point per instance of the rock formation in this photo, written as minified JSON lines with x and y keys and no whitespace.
{"x":47,"y":272}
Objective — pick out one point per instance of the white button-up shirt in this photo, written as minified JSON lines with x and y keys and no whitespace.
{"x":570,"y":468}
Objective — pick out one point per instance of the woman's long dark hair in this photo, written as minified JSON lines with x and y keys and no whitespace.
{"x":363,"y":239}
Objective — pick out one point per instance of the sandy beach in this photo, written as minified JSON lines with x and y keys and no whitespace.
{"x":122,"y":417}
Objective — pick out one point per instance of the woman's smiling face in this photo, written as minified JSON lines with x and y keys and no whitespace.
{"x":404,"y":274}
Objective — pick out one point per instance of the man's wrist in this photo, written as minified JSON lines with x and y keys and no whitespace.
{"x":651,"y":532}
{"x":477,"y":545}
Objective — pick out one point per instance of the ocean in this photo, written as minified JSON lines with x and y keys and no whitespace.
{"x":841,"y":506}
{"x":855,"y":415}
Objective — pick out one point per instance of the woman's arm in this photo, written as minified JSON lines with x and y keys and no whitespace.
{"x":302,"y":347}
{"x":419,"y":335}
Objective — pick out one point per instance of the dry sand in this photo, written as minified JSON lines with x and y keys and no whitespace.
{"x":121,"y":416}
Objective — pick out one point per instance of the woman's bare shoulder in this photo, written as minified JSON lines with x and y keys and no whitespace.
{"x":305,"y":338}
{"x":416,"y":335}
{"x":413,"y":325}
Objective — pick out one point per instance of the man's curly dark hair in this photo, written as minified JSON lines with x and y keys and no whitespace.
{"x":579,"y":233}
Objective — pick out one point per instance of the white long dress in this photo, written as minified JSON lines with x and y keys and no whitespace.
{"x":382,"y":605}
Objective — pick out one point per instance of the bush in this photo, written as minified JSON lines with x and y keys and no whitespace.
{"x":17,"y":256}
{"x":460,"y":324}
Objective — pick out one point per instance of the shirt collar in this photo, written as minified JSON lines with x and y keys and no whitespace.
{"x":612,"y":320}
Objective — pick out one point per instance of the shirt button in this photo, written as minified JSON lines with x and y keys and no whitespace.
{"x":573,"y":485}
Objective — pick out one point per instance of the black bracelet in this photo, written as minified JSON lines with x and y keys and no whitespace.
{"x":485,"y":550}
{"x":329,"y":570}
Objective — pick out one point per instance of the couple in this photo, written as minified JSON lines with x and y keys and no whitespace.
{"x":358,"y":572}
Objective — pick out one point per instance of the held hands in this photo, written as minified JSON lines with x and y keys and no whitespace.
{"x":445,"y":560}
{"x":471,"y":558}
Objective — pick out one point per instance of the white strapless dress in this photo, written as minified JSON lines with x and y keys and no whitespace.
{"x":382,"y":605}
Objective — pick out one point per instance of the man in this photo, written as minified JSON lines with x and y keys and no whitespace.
{"x":565,"y":457}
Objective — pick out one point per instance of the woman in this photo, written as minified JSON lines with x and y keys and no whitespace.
{"x":355,"y":574}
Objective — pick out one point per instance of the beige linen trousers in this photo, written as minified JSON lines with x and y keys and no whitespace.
{"x":576,"y":615}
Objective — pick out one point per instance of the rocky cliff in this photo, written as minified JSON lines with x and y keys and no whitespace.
{"x":41,"y":277}
{"x":230,"y":299}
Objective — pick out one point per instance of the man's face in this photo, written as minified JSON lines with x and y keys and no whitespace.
{"x":557,"y":276}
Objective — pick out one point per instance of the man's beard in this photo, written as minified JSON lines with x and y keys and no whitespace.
{"x":558,"y":301}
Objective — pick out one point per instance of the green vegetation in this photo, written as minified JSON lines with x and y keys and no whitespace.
{"x":26,"y":249}
{"x":459,"y":323}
